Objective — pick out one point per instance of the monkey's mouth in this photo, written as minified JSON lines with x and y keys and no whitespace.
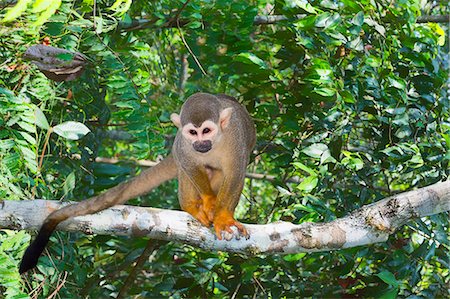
{"x":202,"y":146}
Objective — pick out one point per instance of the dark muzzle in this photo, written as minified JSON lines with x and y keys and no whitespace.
{"x":202,"y":146}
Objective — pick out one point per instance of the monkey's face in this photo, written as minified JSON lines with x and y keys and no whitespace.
{"x":201,"y":137}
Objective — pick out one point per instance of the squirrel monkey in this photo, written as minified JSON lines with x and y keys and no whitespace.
{"x":210,"y":155}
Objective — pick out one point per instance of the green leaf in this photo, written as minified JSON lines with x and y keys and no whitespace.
{"x":27,"y":126}
{"x":294,"y":257}
{"x":358,"y":19}
{"x":300,"y":207}
{"x":326,"y":20}
{"x":47,"y":13}
{"x":250,"y":58}
{"x":381,"y":30}
{"x":439,"y":32}
{"x":54,"y":28}
{"x":128,"y":104}
{"x":69,"y":183}
{"x":40,"y":5}
{"x":7,"y":144}
{"x":326,"y":157}
{"x":41,"y":120}
{"x":397,"y":83}
{"x":388,"y":278}
{"x":326,"y":92}
{"x":356,"y":44}
{"x":315,"y":150}
{"x":373,"y":61}
{"x":121,"y":6}
{"x":71,"y":130}
{"x":390,"y":294}
{"x":347,"y":96}
{"x":304,"y":168}
{"x":194,"y":25}
{"x":303,"y":4}
{"x":309,"y":183}
{"x":353,"y":163}
{"x":30,"y":139}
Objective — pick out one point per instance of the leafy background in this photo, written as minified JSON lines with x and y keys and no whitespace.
{"x":350,"y":102}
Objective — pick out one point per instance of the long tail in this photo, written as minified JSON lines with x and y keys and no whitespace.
{"x":146,"y":181}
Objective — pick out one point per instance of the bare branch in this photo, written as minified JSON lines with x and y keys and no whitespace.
{"x":258,"y":20}
{"x":434,"y":19}
{"x":148,"y":163}
{"x":369,"y":224}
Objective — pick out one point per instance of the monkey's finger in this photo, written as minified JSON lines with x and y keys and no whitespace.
{"x":228,"y":236}
{"x":242,"y":230}
{"x":218,"y":233}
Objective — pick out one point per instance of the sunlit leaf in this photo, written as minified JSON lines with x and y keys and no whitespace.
{"x":71,"y":130}
{"x":326,"y":92}
{"x":358,"y":19}
{"x":40,"y":5}
{"x":41,"y":120}
{"x":327,"y":20}
{"x":250,"y":58}
{"x":315,"y":150}
{"x":356,"y":44}
{"x":308,"y":184}
{"x":69,"y":183}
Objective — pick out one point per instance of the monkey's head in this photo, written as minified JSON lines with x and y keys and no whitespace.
{"x":202,"y":121}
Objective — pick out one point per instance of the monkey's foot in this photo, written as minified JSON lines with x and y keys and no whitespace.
{"x":223,"y":221}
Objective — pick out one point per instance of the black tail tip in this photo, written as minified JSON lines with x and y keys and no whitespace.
{"x":28,"y":262}
{"x":31,"y":256}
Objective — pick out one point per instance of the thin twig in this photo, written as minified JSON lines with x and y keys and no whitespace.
{"x":60,"y":285}
{"x":190,"y":52}
{"x":152,"y":245}
{"x":148,"y":163}
{"x":185,"y":43}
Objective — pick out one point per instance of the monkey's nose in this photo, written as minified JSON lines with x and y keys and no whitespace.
{"x":202,"y":146}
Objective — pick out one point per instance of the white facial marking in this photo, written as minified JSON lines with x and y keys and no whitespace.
{"x":207,"y":131}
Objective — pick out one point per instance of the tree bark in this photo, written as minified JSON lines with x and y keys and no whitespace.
{"x":369,"y":224}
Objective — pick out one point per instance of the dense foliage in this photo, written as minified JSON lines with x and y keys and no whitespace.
{"x":349,"y":97}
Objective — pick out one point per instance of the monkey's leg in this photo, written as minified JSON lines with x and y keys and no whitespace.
{"x":227,"y":200}
{"x":199,"y":177}
{"x":209,"y":190}
{"x":190,"y":199}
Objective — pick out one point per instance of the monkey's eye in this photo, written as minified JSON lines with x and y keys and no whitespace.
{"x":193,"y":132}
{"x":206,"y":130}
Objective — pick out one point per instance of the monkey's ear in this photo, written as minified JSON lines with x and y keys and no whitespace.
{"x":225,"y":116}
{"x":175,"y":118}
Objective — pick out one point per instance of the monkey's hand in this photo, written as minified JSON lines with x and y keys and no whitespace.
{"x":223,"y":221}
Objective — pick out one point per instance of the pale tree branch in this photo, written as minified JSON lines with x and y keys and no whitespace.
{"x":369,"y":224}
